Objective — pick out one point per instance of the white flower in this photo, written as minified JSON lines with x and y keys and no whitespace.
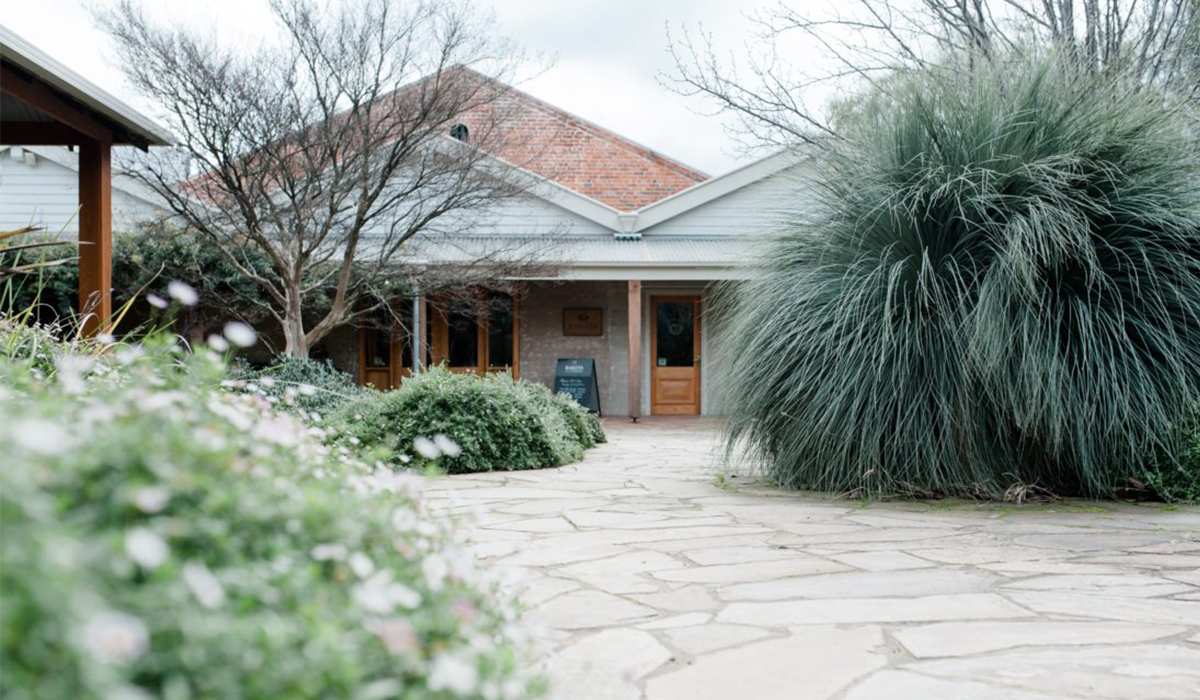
{"x":434,"y":569}
{"x":454,"y":673}
{"x":218,"y":343}
{"x":183,"y":293}
{"x":361,"y":565}
{"x":380,"y":594}
{"x":106,"y":339}
{"x":156,"y":301}
{"x":71,"y":372}
{"x":328,"y":552}
{"x":42,"y":436}
{"x":404,"y":596}
{"x":448,"y":447}
{"x":240,"y":334}
{"x":146,"y":548}
{"x":204,"y":585}
{"x":426,"y":447}
{"x":404,"y":519}
{"x":396,"y":633}
{"x":115,"y":637}
{"x":308,"y":389}
{"x":151,"y":499}
{"x":372,"y":595}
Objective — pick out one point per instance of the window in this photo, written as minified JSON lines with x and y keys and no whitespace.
{"x":478,"y":334}
{"x":500,"y":331}
{"x":460,"y":132}
{"x":462,"y":335}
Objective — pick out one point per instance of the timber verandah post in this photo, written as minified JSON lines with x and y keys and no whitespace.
{"x":635,"y":350}
{"x":95,"y":235}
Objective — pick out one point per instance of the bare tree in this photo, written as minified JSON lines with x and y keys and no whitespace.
{"x":1153,"y":42}
{"x":312,"y":161}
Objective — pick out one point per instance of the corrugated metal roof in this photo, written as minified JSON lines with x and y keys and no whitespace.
{"x":14,"y":110}
{"x":586,"y":251}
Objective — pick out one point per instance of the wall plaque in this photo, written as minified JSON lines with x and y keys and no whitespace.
{"x":583,"y":322}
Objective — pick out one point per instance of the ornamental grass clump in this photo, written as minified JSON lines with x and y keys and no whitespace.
{"x":999,"y":285}
{"x":166,"y":538}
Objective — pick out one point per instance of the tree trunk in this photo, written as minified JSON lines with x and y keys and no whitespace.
{"x":295,"y":339}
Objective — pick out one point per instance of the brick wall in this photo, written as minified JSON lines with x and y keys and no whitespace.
{"x":543,"y":342}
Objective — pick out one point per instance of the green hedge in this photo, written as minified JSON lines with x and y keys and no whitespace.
{"x":496,"y":422}
{"x":163,"y":538}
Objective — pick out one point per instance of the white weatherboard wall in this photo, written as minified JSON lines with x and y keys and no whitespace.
{"x":754,"y":209}
{"x":45,"y":193}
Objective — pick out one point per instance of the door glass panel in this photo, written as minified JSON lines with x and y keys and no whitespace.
{"x":462,"y":336}
{"x":674,"y":334}
{"x":500,"y":330}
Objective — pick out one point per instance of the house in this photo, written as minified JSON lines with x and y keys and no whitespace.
{"x":639,"y":243}
{"x":642,"y":240}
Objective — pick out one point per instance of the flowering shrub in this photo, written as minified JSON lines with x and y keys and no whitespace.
{"x":312,"y":388}
{"x":495,"y":422}
{"x":164,"y":538}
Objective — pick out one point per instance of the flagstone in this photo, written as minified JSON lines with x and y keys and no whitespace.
{"x":584,"y":609}
{"x":540,"y":590}
{"x":535,"y":525}
{"x":751,"y":571}
{"x":712,"y":636}
{"x":644,"y":581}
{"x":1122,"y":585}
{"x":686,"y":599}
{"x":863,"y":584}
{"x":739,"y":555}
{"x":607,"y":665}
{"x":1110,"y":607}
{"x":1146,"y":672}
{"x":1165,"y":561}
{"x":812,"y":663}
{"x":683,"y":620}
{"x":905,"y":684}
{"x":881,"y":561}
{"x":970,"y":606}
{"x":969,"y":638}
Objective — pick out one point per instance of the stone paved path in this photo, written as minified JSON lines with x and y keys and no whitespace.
{"x":648,"y":579}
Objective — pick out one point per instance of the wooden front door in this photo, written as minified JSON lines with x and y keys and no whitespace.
{"x":675,"y":355}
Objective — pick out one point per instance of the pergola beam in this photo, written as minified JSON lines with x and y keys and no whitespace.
{"x":44,"y":99}
{"x":40,"y":134}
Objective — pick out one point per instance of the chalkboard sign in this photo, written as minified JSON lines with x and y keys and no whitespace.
{"x":577,"y":377}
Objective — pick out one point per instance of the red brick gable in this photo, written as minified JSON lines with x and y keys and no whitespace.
{"x":583,"y":156}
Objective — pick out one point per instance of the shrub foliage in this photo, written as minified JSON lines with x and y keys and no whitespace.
{"x":163,"y":538}
{"x":1000,"y":284}
{"x":496,"y":422}
{"x":313,"y":388}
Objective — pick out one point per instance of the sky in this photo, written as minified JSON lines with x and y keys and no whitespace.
{"x":606,"y":57}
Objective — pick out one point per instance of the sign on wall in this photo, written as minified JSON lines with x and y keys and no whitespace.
{"x":577,"y":377}
{"x":583,"y":322}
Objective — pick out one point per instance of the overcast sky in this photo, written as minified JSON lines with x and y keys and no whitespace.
{"x":607,"y":56}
